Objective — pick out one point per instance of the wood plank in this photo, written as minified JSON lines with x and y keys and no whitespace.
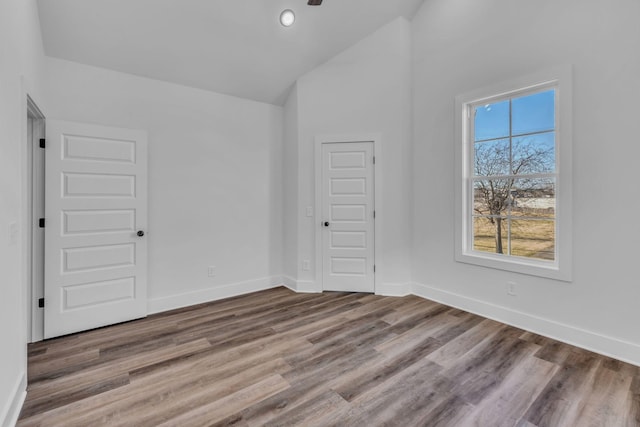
{"x":408,"y":398}
{"x":347,"y":326}
{"x":365,"y":335}
{"x":429,"y":328}
{"x":506,"y":404}
{"x":325,"y":409}
{"x":222,"y":408}
{"x":632,"y":412}
{"x":560,"y":400}
{"x":57,"y":400}
{"x":490,"y":368}
{"x":423,"y":316}
{"x":453,"y":412}
{"x":83,"y":378}
{"x":307,"y":388}
{"x":605,"y":399}
{"x":195,"y":391}
{"x":61,"y":364}
{"x":468,"y":321}
{"x":366,"y":381}
{"x":216,"y":358}
{"x":453,"y":350}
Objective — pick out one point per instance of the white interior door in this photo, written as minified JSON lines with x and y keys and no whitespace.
{"x":95,"y":207}
{"x":348,"y":217}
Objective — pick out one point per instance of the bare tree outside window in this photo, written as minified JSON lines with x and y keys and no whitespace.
{"x":514,"y":177}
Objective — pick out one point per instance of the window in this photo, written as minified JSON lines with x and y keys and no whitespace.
{"x":513,"y":163}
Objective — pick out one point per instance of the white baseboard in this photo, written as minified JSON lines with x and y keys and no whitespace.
{"x":171,"y":302}
{"x":308,"y":287}
{"x":301,"y":286}
{"x":289,"y":283}
{"x":394,"y":289}
{"x":608,"y":346}
{"x":11,"y":411}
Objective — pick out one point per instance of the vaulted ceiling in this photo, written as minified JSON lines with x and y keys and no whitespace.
{"x":236,"y":47}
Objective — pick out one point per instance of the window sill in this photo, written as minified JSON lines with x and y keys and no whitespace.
{"x":516,"y":265}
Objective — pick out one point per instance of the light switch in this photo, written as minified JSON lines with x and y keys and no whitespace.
{"x":309,"y":211}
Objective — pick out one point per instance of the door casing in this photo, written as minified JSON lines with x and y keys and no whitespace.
{"x":376,"y":139}
{"x":35,"y":210}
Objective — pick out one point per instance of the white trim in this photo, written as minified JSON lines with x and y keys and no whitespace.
{"x":35,"y":247}
{"x":171,"y":302}
{"x":301,"y":286}
{"x":308,"y":287}
{"x":33,"y":332}
{"x":289,"y":283}
{"x":592,"y":341}
{"x":376,"y":139}
{"x":561,"y":76}
{"x":394,"y":289}
{"x":11,"y":410}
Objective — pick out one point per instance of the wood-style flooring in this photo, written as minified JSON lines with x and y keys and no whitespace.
{"x":278,"y":358}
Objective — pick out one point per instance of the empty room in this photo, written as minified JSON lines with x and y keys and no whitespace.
{"x":319,"y":213}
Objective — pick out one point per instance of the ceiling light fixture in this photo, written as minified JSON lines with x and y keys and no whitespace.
{"x":287,"y":18}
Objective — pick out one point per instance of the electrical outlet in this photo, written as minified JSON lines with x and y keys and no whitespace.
{"x":306,"y":265}
{"x":511,"y":289}
{"x":212,"y":271}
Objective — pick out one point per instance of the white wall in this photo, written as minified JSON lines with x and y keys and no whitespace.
{"x":21,"y":57}
{"x":365,"y":89}
{"x":461,"y":45}
{"x":215,"y":191}
{"x":290,"y":188}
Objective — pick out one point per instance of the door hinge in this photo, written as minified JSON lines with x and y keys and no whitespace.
{"x":41,"y":222}
{"x":374,"y":268}
{"x":374,"y":160}
{"x":41,"y":303}
{"x":374,"y":214}
{"x":42,"y":143}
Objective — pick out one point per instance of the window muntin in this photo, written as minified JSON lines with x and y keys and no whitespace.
{"x":512,"y":176}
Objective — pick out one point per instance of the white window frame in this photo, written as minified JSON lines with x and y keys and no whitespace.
{"x":558,"y":78}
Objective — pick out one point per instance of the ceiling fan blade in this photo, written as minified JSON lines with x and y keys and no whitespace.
{"x":314,"y":2}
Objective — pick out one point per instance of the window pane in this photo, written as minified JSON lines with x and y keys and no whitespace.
{"x":491,"y":157}
{"x":533,"y":239}
{"x":533,"y":113}
{"x":492,"y":121}
{"x":534,"y":198}
{"x":491,"y":196}
{"x":488,"y":231}
{"x":534,"y":153}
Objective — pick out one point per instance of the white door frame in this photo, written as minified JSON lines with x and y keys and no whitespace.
{"x":376,"y":139}
{"x":34,"y":247}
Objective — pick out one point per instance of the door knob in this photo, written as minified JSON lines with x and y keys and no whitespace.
{"x":326,"y":223}
{"x":140,"y":233}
